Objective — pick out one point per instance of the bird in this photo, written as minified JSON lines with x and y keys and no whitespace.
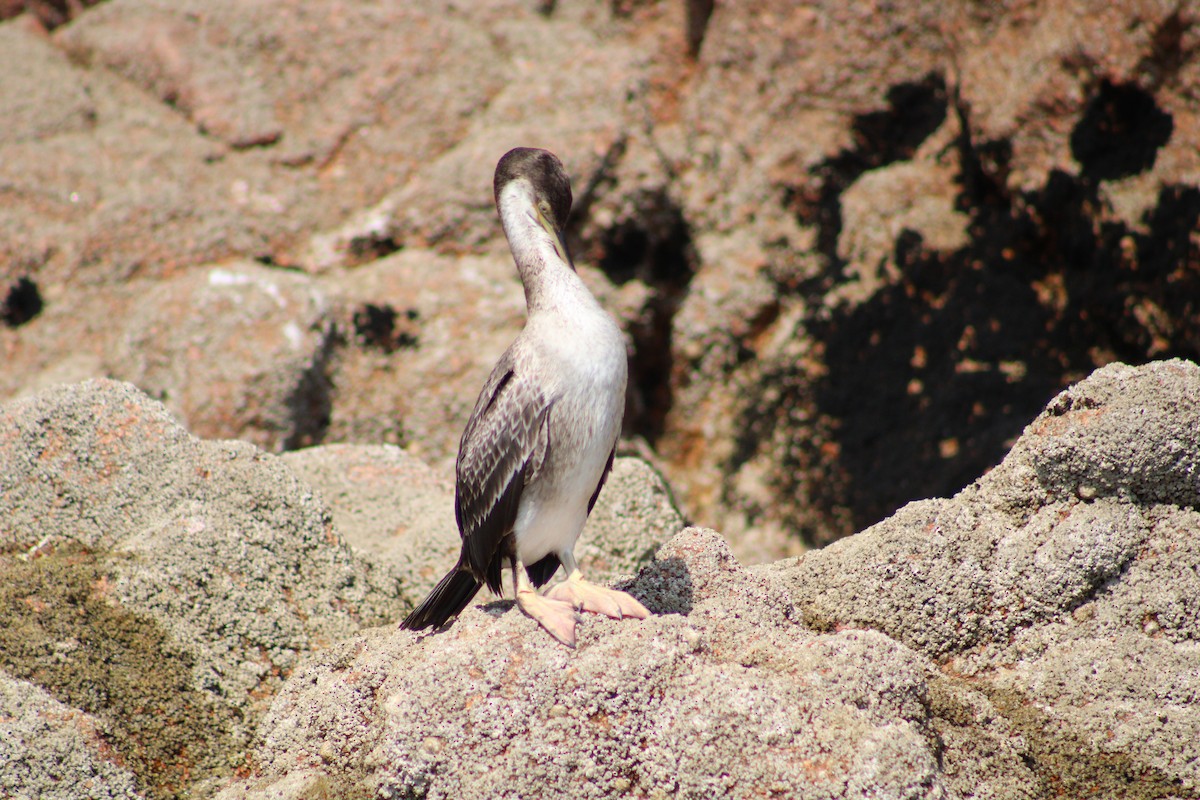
{"x":540,"y":442}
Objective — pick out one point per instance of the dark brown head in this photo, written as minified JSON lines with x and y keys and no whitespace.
{"x":551,"y":188}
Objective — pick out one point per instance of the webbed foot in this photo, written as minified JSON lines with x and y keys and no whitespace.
{"x":558,"y":618}
{"x":587,"y":596}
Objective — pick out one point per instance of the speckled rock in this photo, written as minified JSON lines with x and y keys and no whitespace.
{"x":389,"y":506}
{"x":855,"y":249}
{"x":163,"y":584}
{"x":720,"y":693}
{"x":1059,"y":579}
{"x":1016,"y":641}
{"x":52,"y":751}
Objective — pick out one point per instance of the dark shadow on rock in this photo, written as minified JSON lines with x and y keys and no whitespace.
{"x":497,"y":608}
{"x":696,"y":16}
{"x":381,"y":327}
{"x":914,"y":111}
{"x":1120,"y":132}
{"x":664,"y":586}
{"x":311,"y":401}
{"x":50,"y":13}
{"x":22,"y":302}
{"x":931,"y":379}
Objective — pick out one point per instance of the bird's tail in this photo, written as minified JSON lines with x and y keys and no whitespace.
{"x":447,"y":599}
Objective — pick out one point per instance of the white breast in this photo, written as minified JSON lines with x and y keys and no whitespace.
{"x":586,"y":356}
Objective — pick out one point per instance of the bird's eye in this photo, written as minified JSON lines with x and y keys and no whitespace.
{"x":544,"y":207}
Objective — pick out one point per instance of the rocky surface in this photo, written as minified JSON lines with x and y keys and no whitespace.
{"x":1028,"y":637}
{"x":172,"y":602}
{"x":1060,"y":581}
{"x":260,"y":374}
{"x":947,"y":242}
{"x":161,"y":584}
{"x":158,"y":588}
{"x":811,"y":222}
{"x":52,"y":751}
{"x":855,"y":250}
{"x":720,"y":694}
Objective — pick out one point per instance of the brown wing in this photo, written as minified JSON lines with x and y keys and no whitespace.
{"x":503,"y":444}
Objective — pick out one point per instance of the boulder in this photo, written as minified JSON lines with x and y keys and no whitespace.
{"x":1055,"y":582}
{"x":236,"y":350}
{"x":1022,"y":639}
{"x":721,"y":693}
{"x":162,"y":584}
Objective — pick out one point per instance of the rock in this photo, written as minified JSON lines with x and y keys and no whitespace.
{"x":161,"y":584}
{"x":55,"y":752}
{"x":259,"y":374}
{"x":695,"y":701}
{"x":41,"y":95}
{"x":972,"y":646}
{"x":889,"y":285}
{"x":320,"y":85}
{"x":412,"y":382}
{"x":179,"y":58}
{"x":1048,"y":581}
{"x":447,"y":203}
{"x":839,"y":297}
{"x":391,"y":507}
{"x":1028,"y":636}
{"x":634,"y":516}
{"x":124,"y":188}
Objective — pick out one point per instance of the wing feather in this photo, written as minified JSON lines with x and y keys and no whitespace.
{"x":502,"y":445}
{"x":603,"y":477}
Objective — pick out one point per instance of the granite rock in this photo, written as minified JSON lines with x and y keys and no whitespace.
{"x":163,"y":584}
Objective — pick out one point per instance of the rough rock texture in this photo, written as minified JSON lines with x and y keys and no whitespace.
{"x":854,"y":249}
{"x":407,"y":315}
{"x":1059,"y":582}
{"x":1032,"y":637}
{"x":1028,"y":638}
{"x":52,"y":751}
{"x":390,"y":506}
{"x":629,"y":713}
{"x":894,"y":273}
{"x":260,"y":374}
{"x":162,"y":584}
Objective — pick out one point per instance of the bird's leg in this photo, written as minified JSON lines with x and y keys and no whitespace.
{"x":557,"y":617}
{"x":587,"y":596}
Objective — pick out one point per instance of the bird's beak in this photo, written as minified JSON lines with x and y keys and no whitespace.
{"x":560,"y":243}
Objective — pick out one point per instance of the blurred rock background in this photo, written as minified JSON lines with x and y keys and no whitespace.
{"x":854,"y":249}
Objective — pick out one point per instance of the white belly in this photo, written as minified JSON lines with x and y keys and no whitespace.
{"x":554,"y":505}
{"x":584,"y":423}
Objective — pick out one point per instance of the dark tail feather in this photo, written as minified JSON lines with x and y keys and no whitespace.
{"x":540,"y":572}
{"x":447,"y":599}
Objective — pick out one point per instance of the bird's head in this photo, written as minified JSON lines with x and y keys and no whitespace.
{"x":533,"y":182}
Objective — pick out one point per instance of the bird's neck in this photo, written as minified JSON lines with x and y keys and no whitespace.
{"x":550,"y":280}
